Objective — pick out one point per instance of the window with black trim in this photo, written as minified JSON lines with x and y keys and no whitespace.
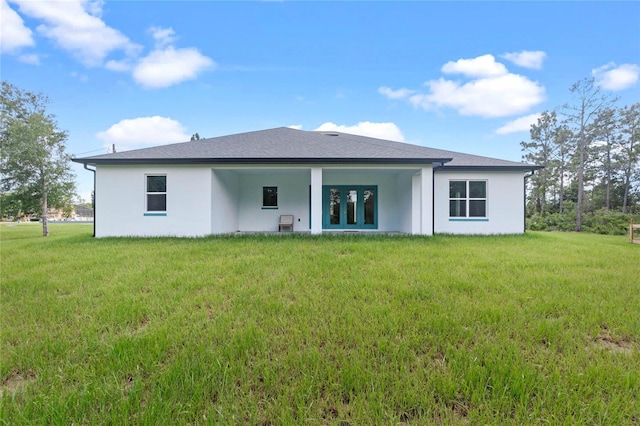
{"x":156,"y":193}
{"x":270,"y":196}
{"x":467,"y":198}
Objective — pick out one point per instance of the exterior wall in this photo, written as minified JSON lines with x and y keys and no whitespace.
{"x":225,"y":188}
{"x":293,"y":198}
{"x":120,"y":201}
{"x":426,"y":201}
{"x":422,"y":202}
{"x":404,"y":196}
{"x":316,"y":200}
{"x":505,"y":203}
{"x":416,"y":209}
{"x":202,"y":200}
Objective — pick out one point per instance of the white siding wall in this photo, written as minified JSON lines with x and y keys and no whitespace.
{"x":404,"y":195}
{"x":225,"y":188}
{"x":505,"y":203}
{"x":120,"y":201}
{"x":202,"y":201}
{"x":293,"y":198}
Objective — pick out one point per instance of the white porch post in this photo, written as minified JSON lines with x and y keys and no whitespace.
{"x":422,"y":202}
{"x":416,"y":208}
{"x":316,"y":200}
{"x":426,"y":200}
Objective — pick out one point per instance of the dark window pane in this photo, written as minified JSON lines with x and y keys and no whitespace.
{"x":477,"y":208}
{"x":156,"y":202}
{"x":457,"y":189}
{"x":156,"y":184}
{"x":334,"y":206}
{"x":457,"y":208}
{"x":270,"y":196}
{"x":477,"y":189}
{"x":369,"y":207}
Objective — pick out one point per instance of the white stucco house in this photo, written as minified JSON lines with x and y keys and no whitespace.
{"x":329,"y":181}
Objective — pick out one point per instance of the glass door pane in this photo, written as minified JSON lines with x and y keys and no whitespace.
{"x":352,"y":207}
{"x":369,"y":209}
{"x":334,"y":206}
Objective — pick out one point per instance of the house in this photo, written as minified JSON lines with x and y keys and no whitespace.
{"x":329,"y":181}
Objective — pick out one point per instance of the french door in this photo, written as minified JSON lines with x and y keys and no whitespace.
{"x":350,"y":207}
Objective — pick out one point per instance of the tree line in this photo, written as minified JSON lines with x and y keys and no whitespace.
{"x":35,"y":169}
{"x":590,"y":150}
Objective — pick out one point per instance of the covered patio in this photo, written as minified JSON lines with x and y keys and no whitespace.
{"x":327,"y":198}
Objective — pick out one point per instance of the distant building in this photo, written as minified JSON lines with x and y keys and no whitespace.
{"x":79,"y":213}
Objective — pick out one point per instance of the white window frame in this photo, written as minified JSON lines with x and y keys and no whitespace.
{"x":147,"y":193}
{"x":468,"y":198}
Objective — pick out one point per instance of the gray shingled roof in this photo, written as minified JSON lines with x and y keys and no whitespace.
{"x":285,"y":145}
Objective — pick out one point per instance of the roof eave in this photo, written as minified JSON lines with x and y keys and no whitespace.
{"x":524,"y":167}
{"x":228,"y":161}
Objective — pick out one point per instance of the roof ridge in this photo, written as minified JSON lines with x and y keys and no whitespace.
{"x":399,"y":146}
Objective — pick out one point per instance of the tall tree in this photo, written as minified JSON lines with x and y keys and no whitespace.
{"x":604,"y":130}
{"x":629,"y":155}
{"x":587,"y":102}
{"x":34,"y":167}
{"x":564,"y":141}
{"x":540,"y":150}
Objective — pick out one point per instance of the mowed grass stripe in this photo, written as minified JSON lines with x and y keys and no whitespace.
{"x":539,"y":328}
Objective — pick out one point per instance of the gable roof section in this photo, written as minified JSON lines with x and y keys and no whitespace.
{"x":290,"y":146}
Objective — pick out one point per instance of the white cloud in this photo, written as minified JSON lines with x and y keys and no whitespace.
{"x":527,"y":58}
{"x":144,"y":131}
{"x":163,"y":36}
{"x":295,"y":126}
{"x":75,"y":26}
{"x":486,"y":97}
{"x":14,"y":35}
{"x":395,"y":94}
{"x":169,"y":66}
{"x":387,"y":131}
{"x":491,"y":90}
{"x":482,"y":66}
{"x":30,"y":58}
{"x":522,"y":124}
{"x":612,"y":77}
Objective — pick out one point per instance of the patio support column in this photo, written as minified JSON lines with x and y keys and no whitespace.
{"x":416,"y":208}
{"x":316,"y":200}
{"x":426,"y":200}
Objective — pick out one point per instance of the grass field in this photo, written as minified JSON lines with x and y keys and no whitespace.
{"x":537,"y":329}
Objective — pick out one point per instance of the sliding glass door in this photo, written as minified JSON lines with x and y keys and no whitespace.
{"x":349,"y":207}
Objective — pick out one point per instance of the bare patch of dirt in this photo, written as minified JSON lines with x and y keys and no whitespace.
{"x":143,"y":323}
{"x":613,"y":344}
{"x":16,"y":381}
{"x":127,"y":384}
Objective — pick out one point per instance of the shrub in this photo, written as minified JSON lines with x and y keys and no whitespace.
{"x":607,"y":222}
{"x":601,"y":221}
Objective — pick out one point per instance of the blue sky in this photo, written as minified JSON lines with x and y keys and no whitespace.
{"x":463,"y":76}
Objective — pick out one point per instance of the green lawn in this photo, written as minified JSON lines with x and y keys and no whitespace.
{"x":540,"y":329}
